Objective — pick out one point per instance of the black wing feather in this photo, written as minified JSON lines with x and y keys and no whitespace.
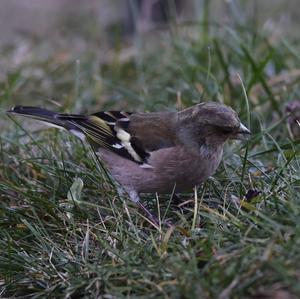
{"x":102,"y":129}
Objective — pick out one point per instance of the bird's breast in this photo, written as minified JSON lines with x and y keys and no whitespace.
{"x":185,"y":168}
{"x":170,"y":167}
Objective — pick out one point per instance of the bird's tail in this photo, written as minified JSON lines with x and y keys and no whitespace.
{"x":54,"y":119}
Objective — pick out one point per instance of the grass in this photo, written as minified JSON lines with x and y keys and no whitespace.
{"x":64,"y":230}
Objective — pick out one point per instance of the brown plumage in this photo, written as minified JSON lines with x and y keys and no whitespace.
{"x":153,"y":152}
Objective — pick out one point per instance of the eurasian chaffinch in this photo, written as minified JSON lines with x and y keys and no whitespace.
{"x":153,"y":152}
{"x":293,"y":119}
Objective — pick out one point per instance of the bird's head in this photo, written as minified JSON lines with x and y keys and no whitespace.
{"x":211,"y":123}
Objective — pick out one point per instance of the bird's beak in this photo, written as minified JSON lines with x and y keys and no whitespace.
{"x":243,"y":130}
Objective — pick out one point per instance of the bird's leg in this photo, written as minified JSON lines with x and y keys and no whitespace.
{"x":149,"y":215}
{"x":135,"y":198}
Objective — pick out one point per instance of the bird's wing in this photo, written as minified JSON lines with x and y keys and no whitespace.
{"x":132,"y":136}
{"x":153,"y":131}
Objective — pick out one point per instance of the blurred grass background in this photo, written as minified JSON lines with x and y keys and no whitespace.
{"x":64,"y":231}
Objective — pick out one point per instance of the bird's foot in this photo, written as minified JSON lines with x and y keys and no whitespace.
{"x":153,"y":218}
{"x":148,"y":214}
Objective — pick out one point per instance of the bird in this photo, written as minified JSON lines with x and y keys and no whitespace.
{"x":152,"y":152}
{"x":292,"y":110}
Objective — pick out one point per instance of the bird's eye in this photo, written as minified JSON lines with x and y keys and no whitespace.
{"x":226,"y":130}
